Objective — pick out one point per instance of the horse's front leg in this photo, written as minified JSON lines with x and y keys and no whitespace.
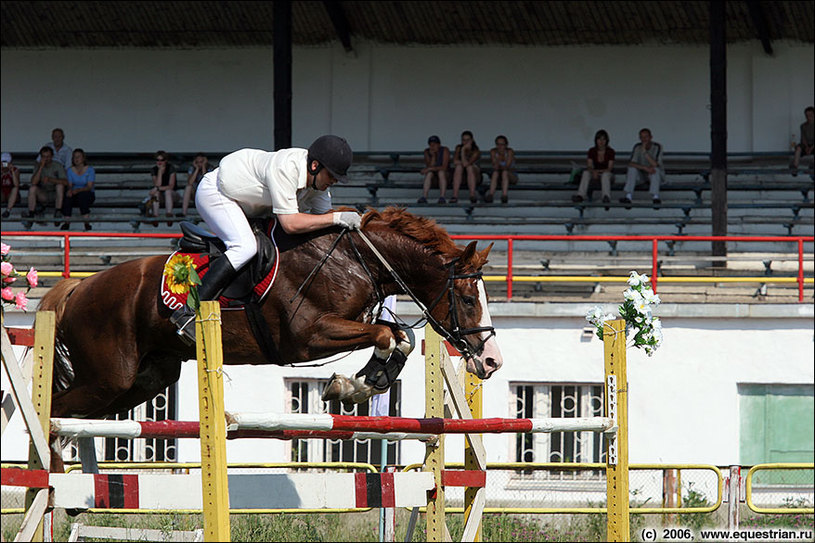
{"x":391,"y":349}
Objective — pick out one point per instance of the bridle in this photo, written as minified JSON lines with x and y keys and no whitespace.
{"x":457,"y":335}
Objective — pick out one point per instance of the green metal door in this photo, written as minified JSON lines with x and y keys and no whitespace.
{"x":777,"y":424}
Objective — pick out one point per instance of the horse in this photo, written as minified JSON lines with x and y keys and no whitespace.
{"x":116,"y":348}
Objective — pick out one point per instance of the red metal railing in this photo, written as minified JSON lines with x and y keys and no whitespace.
{"x":510,"y":239}
{"x":654,"y":248}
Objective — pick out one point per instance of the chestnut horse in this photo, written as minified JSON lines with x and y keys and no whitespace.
{"x":116,"y":347}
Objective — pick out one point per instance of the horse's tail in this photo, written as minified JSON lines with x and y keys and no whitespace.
{"x":55,"y":300}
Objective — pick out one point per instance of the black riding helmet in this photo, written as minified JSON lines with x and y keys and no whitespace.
{"x":333,"y":153}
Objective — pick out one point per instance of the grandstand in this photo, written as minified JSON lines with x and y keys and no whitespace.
{"x":764,"y":199}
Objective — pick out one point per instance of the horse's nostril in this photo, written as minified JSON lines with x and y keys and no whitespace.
{"x":489,"y":367}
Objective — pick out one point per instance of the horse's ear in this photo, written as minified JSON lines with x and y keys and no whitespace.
{"x":469,"y":252}
{"x":474,"y":258}
{"x":486,"y":252}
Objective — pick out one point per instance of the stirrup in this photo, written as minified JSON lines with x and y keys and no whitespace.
{"x":184,"y":319}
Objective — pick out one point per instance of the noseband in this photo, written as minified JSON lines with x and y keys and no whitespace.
{"x":456,"y":336}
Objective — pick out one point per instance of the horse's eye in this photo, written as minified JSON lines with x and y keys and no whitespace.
{"x":469,"y":300}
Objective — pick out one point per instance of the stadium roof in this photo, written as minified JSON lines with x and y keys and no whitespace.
{"x":543,"y":23}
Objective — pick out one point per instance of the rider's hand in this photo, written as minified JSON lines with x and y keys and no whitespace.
{"x":348,"y":219}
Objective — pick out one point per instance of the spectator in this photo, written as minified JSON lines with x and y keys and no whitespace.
{"x":599,"y":163}
{"x":465,"y":160}
{"x":503,"y":166}
{"x":646,"y":162}
{"x":81,"y":178}
{"x":164,"y":182}
{"x":11,"y":184}
{"x":47,"y":185}
{"x":807,"y":144}
{"x":436,"y":166}
{"x":200,"y":166}
{"x":62,"y":153}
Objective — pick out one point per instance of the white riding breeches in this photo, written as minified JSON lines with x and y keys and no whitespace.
{"x":225,"y":219}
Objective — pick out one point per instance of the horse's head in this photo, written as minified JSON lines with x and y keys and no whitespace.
{"x":468,"y":320}
{"x":456,"y":301}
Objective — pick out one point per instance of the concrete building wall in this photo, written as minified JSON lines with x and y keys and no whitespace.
{"x":683,"y":401}
{"x":391,"y":98}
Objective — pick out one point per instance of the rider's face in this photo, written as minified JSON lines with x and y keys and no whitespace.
{"x":324,"y":180}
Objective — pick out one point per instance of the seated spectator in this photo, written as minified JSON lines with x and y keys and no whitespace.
{"x":807,"y":143}
{"x":646,"y":163}
{"x":436,"y":166}
{"x":200,"y":166}
{"x":62,"y":153}
{"x":599,"y":163}
{"x":81,"y":178}
{"x":164,"y":183}
{"x":48,"y":184}
{"x":503,"y":167}
{"x":465,"y":161}
{"x":11,"y":184}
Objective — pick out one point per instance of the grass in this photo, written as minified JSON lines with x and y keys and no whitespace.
{"x":293,"y":527}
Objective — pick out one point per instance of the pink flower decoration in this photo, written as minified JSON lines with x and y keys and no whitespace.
{"x":31,"y":277}
{"x":4,"y":249}
{"x":8,"y":280}
{"x":6,"y":268}
{"x":20,"y":300}
{"x":7,"y":294}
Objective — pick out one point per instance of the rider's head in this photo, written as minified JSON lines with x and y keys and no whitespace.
{"x":332,"y":153}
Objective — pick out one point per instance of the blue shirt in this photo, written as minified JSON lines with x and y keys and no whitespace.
{"x":80,"y":181}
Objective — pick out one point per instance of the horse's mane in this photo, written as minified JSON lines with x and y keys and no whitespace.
{"x":422,"y":229}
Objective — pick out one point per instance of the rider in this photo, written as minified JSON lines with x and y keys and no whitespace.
{"x":290,"y":183}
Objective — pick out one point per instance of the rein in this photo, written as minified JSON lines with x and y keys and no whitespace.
{"x":319,"y":264}
{"x":455,"y":337}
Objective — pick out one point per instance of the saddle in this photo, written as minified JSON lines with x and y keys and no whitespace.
{"x":250,"y":286}
{"x":253,"y":281}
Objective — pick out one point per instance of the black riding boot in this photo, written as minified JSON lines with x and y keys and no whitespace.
{"x":216,"y":279}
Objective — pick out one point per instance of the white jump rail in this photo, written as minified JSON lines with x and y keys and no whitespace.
{"x":271,"y":422}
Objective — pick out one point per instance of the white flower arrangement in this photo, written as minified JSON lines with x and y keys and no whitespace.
{"x":637,"y":313}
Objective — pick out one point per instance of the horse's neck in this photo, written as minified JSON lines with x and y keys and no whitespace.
{"x":421,"y":270}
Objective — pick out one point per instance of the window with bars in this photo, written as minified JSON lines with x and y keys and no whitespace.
{"x":305,"y":397}
{"x":538,"y":400}
{"x":163,"y":407}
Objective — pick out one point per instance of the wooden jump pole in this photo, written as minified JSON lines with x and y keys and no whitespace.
{"x":215,"y":491}
{"x":464,"y":399}
{"x":473,"y":387}
{"x":436,"y":528}
{"x":36,"y":412}
{"x":614,"y":342}
{"x":41,"y":379}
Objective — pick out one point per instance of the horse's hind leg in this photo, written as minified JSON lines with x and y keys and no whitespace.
{"x":83,"y":401}
{"x":160,"y":371}
{"x":86,"y":400}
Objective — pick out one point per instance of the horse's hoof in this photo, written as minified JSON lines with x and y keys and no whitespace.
{"x":361,"y":392}
{"x":338,"y":388}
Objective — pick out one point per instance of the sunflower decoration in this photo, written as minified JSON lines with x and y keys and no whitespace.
{"x":181,"y":278}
